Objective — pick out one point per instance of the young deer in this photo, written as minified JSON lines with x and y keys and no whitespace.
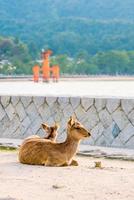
{"x":48,"y":153}
{"x":50,"y":130}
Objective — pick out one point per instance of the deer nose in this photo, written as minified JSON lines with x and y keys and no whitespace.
{"x":89,"y":134}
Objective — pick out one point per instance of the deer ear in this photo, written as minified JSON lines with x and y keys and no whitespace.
{"x":74,"y":117}
{"x":44,"y":126}
{"x":71,"y":121}
{"x":56,"y":126}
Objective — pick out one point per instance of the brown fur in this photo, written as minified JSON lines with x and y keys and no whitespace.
{"x":48,"y":153}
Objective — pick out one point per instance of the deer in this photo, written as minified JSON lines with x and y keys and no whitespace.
{"x":48,"y":153}
{"x":50,"y":130}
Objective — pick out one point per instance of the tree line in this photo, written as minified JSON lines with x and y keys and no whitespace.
{"x":17,"y":58}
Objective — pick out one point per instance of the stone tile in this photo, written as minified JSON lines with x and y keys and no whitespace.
{"x":115,"y":130}
{"x":5,"y":100}
{"x":75,"y":102}
{"x":36,"y":125}
{"x":26,"y":122}
{"x":131,"y":116}
{"x":58,"y":115}
{"x":25,"y":125}
{"x":130,"y":143}
{"x":97,"y":131}
{"x":20,"y":111}
{"x":55,"y":108}
{"x":86,"y":103}
{"x":26,"y":101}
{"x":68,"y":111}
{"x":91,"y":118}
{"x":15,"y":100}
{"x":13,"y":126}
{"x":51,"y":100}
{"x":100,"y":104}
{"x":38,"y":101}
{"x":10,"y":111}
{"x":61,"y":137}
{"x":63,"y":101}
{"x":32,"y":112}
{"x":15,"y":123}
{"x":112,"y":105}
{"x":108,"y":133}
{"x":80,"y":113}
{"x":50,"y":121}
{"x":63,"y":125}
{"x":120,"y":118}
{"x":102,"y":141}
{"x":127,"y":105}
{"x":17,"y":134}
{"x":4,"y":125}
{"x":117,"y":142}
{"x":127,"y":133}
{"x":105,"y":118}
{"x":2,"y":113}
{"x":44,"y":112}
{"x":28,"y":133}
{"x":41,"y":133}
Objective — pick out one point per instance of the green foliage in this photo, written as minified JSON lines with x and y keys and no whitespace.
{"x":112,"y":62}
{"x":5,"y":148}
{"x":69,"y":27}
{"x":14,"y":57}
{"x":65,"y":63}
{"x":87,"y":37}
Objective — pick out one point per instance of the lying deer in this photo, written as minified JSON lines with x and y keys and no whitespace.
{"x":50,"y":130}
{"x":48,"y":153}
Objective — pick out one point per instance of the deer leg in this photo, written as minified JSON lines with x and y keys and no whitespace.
{"x":64,"y":164}
{"x":74,"y":163}
{"x":50,"y":163}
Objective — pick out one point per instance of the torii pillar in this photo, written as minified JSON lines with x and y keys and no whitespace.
{"x":36,"y":72}
{"x":55,"y":73}
{"x":46,"y":65}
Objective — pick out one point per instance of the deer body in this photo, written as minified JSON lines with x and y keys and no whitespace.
{"x":45,"y":152}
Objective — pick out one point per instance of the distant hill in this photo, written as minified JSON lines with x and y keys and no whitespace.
{"x":70,"y":26}
{"x":91,"y":9}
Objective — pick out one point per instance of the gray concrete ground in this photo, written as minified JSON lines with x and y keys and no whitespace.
{"x":26,"y":182}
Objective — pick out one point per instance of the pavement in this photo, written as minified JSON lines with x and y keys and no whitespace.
{"x":114,"y":180}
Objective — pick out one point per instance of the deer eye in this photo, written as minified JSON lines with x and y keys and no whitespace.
{"x":78,"y":128}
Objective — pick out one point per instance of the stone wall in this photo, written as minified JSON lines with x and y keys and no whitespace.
{"x":111,"y":121}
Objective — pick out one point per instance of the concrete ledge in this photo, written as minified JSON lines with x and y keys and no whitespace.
{"x":6,"y":142}
{"x":106,"y":152}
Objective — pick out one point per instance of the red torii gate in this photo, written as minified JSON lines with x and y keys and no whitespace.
{"x":46,"y":70}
